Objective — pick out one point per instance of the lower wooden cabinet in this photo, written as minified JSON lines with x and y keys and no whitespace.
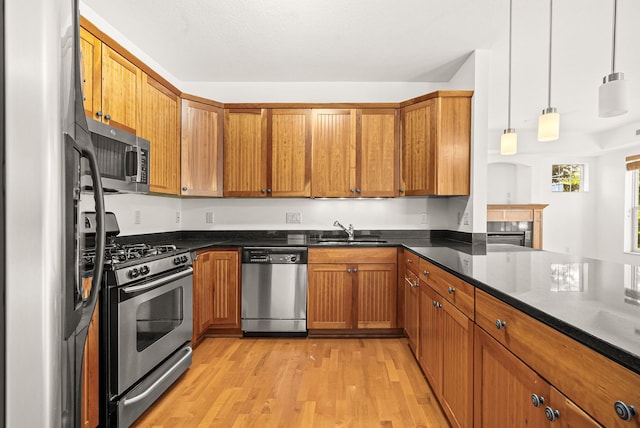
{"x":90,"y":372}
{"x":510,"y":394}
{"x":352,"y":289}
{"x":216,"y":292}
{"x":411,"y":309}
{"x":445,"y":353}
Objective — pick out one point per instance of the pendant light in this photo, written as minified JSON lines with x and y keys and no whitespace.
{"x":509,"y":139}
{"x":549,"y":120}
{"x":613,"y":93}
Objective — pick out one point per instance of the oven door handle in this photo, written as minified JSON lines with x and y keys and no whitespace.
{"x":154,"y":385}
{"x":158,"y":282}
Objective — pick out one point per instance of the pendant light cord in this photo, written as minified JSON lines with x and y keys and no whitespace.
{"x":613,"y":55}
{"x":509,"y":102}
{"x":550,"y":38}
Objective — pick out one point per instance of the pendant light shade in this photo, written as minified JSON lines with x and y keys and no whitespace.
{"x":509,"y":139}
{"x":549,"y":121}
{"x":509,"y":142}
{"x":549,"y":125}
{"x":613,"y":95}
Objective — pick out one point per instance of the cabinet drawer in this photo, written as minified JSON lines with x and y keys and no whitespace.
{"x":352,"y":255}
{"x":458,"y":292}
{"x":411,"y":262}
{"x":589,"y":379}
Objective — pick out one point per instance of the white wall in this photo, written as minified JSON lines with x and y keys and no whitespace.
{"x":570,"y":219}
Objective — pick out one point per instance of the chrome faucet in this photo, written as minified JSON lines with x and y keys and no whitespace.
{"x":348,"y":231}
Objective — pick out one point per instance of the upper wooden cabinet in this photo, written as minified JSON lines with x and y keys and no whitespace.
{"x":267,"y":152}
{"x":333,"y":142}
{"x":436,"y":146}
{"x":201,"y":149}
{"x":111,"y":84}
{"x":289,"y":159}
{"x":520,"y":212}
{"x":160,"y":124}
{"x":377,"y":152}
{"x":355,"y":153}
{"x":245,"y":152}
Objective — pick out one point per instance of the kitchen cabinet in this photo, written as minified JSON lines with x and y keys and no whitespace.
{"x":245,"y":152}
{"x":411,"y":307}
{"x":436,"y":146}
{"x":355,"y":153}
{"x":112,"y":84}
{"x":351,"y":289}
{"x":216,"y":292}
{"x":160,"y":124}
{"x":90,"y":369}
{"x":201,"y":148}
{"x":510,"y":393}
{"x":568,"y":366}
{"x":520,"y":212}
{"x":267,"y":152}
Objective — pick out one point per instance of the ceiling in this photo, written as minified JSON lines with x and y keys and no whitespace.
{"x":397,"y":41}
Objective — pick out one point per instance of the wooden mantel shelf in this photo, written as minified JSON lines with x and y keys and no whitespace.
{"x":520,"y":212}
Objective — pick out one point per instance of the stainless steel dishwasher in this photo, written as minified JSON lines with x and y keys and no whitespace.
{"x":274,"y":291}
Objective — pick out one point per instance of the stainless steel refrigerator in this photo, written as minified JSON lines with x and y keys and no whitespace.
{"x":46,"y":140}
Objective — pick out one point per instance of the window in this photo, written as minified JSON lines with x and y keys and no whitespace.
{"x":634,"y":197}
{"x":568,"y":178}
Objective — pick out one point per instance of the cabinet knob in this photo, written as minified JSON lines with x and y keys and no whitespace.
{"x":349,"y":270}
{"x":358,"y":191}
{"x":536,"y":400}
{"x":99,"y":114}
{"x":551,"y":414}
{"x":263,"y":190}
{"x":435,"y":303}
{"x":500,"y":324}
{"x":401,"y":190}
{"x":355,"y":269}
{"x":268,"y":190}
{"x":425,"y":272}
{"x":409,"y":261}
{"x":107,"y":116}
{"x":353,"y":190}
{"x":624,"y":411}
{"x":451,"y":290}
{"x":185,"y":188}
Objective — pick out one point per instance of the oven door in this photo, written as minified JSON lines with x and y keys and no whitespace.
{"x":154,"y":319}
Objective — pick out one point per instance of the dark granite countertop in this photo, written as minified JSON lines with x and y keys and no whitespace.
{"x":594,"y":302}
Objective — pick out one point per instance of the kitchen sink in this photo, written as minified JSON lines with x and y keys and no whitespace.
{"x":363,"y":241}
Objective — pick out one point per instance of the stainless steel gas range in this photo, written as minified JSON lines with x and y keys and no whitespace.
{"x":146,"y":324}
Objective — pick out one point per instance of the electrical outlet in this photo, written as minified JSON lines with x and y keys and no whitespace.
{"x":293,"y":218}
{"x":137,"y":217}
{"x":177,"y":216}
{"x":208,"y":218}
{"x":465,"y":218}
{"x":424,"y":218}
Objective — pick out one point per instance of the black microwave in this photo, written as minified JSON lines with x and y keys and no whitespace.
{"x":123,"y":158}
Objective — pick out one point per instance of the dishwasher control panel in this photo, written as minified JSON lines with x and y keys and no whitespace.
{"x":274,"y":255}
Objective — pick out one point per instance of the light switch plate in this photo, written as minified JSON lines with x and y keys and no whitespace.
{"x":293,"y":218}
{"x":208,"y":218}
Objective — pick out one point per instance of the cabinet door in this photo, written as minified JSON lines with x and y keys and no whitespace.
{"x":245,"y":152}
{"x":290,"y":152}
{"x":160,"y":124}
{"x":201,"y":172}
{"x":329,"y":304}
{"x":376,"y":294}
{"x":418,"y":151}
{"x":377,"y":152}
{"x":412,"y":310}
{"x":91,"y":72}
{"x":457,"y":365}
{"x":333,"y":153}
{"x":430,"y":331}
{"x":121,"y":83}
{"x":453,"y":146}
{"x":90,"y":373}
{"x":569,"y":415}
{"x":203,"y":276}
{"x":226,"y":289}
{"x":504,"y":386}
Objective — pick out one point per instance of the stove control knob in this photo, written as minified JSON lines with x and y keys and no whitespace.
{"x":184,"y":259}
{"x":176,"y":261}
{"x":144,"y":270}
{"x":134,"y":273}
{"x":293,"y":259}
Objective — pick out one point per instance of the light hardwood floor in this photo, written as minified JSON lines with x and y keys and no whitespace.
{"x":268,"y":382}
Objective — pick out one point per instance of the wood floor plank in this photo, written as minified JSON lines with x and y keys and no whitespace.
{"x":299,"y":383}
